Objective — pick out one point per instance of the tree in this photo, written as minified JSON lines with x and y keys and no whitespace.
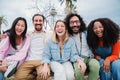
{"x":2,"y":20}
{"x":70,"y":7}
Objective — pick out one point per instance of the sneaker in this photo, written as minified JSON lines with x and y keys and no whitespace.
{"x":11,"y":69}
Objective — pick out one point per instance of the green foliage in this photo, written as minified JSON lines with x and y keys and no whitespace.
{"x":71,"y":5}
{"x":3,"y":20}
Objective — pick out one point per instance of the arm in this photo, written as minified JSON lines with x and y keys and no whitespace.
{"x":5,"y":33}
{"x":46,"y":53}
{"x":45,"y":72}
{"x":114,"y":56}
{"x":4,"y":46}
{"x":22,"y":53}
{"x":115,"y":52}
{"x":75,"y":57}
{"x":74,"y":53}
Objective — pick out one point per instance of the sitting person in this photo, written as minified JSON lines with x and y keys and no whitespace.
{"x":15,"y":46}
{"x":58,"y":53}
{"x":77,"y":28}
{"x":103,"y":38}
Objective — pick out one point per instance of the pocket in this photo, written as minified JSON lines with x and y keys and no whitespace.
{"x":55,"y":54}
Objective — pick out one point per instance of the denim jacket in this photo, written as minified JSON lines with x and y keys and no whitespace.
{"x":52,"y":52}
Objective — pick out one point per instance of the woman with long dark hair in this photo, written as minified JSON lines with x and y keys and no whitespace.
{"x":103,"y":39}
{"x":14,"y":47}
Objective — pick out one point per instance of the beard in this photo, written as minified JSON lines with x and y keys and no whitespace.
{"x":38,"y":27}
{"x":75,"y":29}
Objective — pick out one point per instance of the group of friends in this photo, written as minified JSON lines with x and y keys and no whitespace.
{"x":72,"y":50}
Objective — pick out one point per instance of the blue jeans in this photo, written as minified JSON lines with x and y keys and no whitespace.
{"x":114,"y":71}
{"x":2,"y":76}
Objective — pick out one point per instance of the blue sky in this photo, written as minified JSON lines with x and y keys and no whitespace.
{"x":88,"y":9}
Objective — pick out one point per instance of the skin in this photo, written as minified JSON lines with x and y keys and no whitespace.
{"x":38,"y":23}
{"x":75,"y":26}
{"x":19,"y":29}
{"x":98,"y":30}
{"x":60,"y":29}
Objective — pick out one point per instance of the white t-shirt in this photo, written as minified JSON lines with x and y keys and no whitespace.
{"x":36,"y":46}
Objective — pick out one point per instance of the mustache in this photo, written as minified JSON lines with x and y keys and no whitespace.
{"x":75,"y":27}
{"x":38,"y":24}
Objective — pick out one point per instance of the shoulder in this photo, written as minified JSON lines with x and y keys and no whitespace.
{"x":27,"y":37}
{"x":49,"y":41}
{"x":70,"y":40}
{"x":48,"y":35}
{"x":117,"y":44}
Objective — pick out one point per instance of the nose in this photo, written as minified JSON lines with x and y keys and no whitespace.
{"x":98,"y":29}
{"x":38,"y":22}
{"x":20,"y":27}
{"x":74,"y":23}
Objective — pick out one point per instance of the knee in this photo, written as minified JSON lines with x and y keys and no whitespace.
{"x":115,"y":65}
{"x":94,"y":65}
{"x":60,"y":70}
{"x":20,"y":76}
{"x":70,"y":76}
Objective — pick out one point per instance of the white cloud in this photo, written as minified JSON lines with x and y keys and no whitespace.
{"x":89,"y":9}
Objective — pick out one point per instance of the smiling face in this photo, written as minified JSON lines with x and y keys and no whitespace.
{"x":75,"y":24}
{"x":38,"y":23}
{"x":98,"y":29}
{"x":20,"y":27}
{"x":60,"y":29}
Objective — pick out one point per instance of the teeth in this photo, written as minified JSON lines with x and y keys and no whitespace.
{"x":59,"y":31}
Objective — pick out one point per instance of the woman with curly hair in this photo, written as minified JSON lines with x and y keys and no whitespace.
{"x":103,"y":39}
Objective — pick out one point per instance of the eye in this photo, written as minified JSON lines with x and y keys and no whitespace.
{"x":94,"y":28}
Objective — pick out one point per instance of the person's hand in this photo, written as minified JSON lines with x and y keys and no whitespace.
{"x":45,"y":72}
{"x":106,"y":65}
{"x":2,"y":36}
{"x":3,"y":68}
{"x":5,"y":63}
{"x":81,"y":65}
{"x":97,"y":57}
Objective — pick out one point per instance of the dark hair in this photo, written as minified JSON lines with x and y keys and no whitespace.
{"x":67,"y":20}
{"x":12,"y":35}
{"x":110,"y":34}
{"x":38,"y":15}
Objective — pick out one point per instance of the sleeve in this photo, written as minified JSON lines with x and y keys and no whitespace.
{"x":115,"y":52}
{"x":74,"y":53}
{"x":46,"y":56}
{"x":4,"y":46}
{"x":22,"y":53}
